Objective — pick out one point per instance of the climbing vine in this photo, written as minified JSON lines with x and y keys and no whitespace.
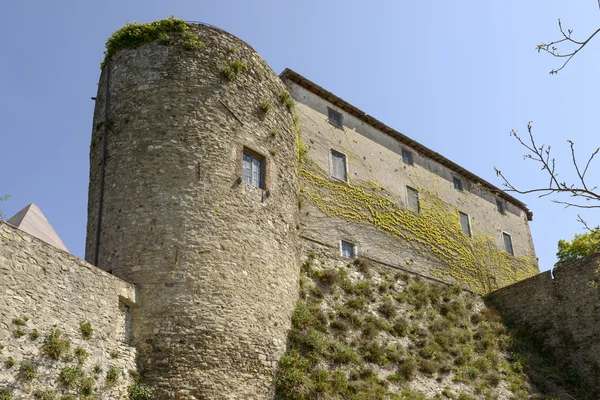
{"x":435,"y":230}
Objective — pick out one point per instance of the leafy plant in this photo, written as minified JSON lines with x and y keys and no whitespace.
{"x":81,"y":354}
{"x":19,"y":333}
{"x":233,"y":68}
{"x":113,"y":374}
{"x":19,"y":322}
{"x":54,"y":345}
{"x":140,"y":392}
{"x":44,"y":394}
{"x":582,"y":245}
{"x":70,"y":376}
{"x":27,"y":370}
{"x":85,"y":327}
{"x":6,"y":394}
{"x":265,"y":106}
{"x":34,"y":334}
{"x":9,"y":363}
{"x":286,"y":99}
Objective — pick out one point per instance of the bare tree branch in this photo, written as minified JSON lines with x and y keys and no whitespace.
{"x":551,"y":48}
{"x":581,"y":192}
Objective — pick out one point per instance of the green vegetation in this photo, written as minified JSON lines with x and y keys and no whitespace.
{"x":286,"y":99}
{"x":86,"y":330}
{"x":55,"y":346}
{"x":233,"y":68}
{"x":19,"y":321}
{"x":361,"y":333}
{"x":582,"y":245}
{"x":34,"y":334}
{"x":69,"y":376}
{"x":44,"y":394}
{"x":113,"y":374}
{"x":27,"y":370}
{"x":81,"y":355}
{"x":140,"y":392}
{"x":265,"y":106}
{"x":19,"y":333}
{"x":9,"y":363}
{"x":6,"y":394}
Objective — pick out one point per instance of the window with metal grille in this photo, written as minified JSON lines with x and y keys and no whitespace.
{"x":338,"y":161}
{"x":253,"y":169}
{"x":413,"y":199}
{"x":500,"y":205}
{"x":407,"y":156}
{"x":347,"y":249}
{"x":458,"y":183}
{"x":464,"y":223}
{"x":508,"y":243}
{"x":334,"y":117}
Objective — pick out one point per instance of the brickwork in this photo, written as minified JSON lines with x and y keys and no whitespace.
{"x":214,"y":259}
{"x":52,"y":289}
{"x":561,"y":313}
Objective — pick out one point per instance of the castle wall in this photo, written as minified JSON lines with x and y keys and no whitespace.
{"x":560,"y":313}
{"x":215,"y":259}
{"x":53,"y":289}
{"x":374,"y":161}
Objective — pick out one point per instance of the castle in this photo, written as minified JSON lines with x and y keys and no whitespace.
{"x":211,"y":179}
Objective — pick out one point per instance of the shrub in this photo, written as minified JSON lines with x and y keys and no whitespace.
{"x":388,"y":309}
{"x":113,"y":374}
{"x":97,"y":369}
{"x":9,"y":363}
{"x":6,"y":394}
{"x":34,"y":334}
{"x":363,"y":266}
{"x":114,"y":354}
{"x":140,"y":392}
{"x":45,"y":394}
{"x":429,"y":366}
{"x":493,"y":378}
{"x":191,"y":41}
{"x":54,"y":346}
{"x":81,"y":355}
{"x":265,"y":106}
{"x":357,"y":303}
{"x":70,"y":376}
{"x":27,"y":370}
{"x":408,"y":368}
{"x":293,"y":381}
{"x":233,"y":68}
{"x":330,"y":277}
{"x":85,"y":327}
{"x":19,"y":322}
{"x":400,"y":327}
{"x":373,"y":351}
{"x":19,"y":333}
{"x":286,"y":99}
{"x":87,"y":386}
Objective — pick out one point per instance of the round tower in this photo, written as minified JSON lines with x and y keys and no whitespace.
{"x":193,"y":197}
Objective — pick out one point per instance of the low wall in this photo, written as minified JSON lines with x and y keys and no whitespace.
{"x":43,"y":289}
{"x":562,"y":312}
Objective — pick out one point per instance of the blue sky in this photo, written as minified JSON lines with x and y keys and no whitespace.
{"x":455,"y":76}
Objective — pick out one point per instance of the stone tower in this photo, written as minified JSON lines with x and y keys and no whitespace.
{"x":193,"y":197}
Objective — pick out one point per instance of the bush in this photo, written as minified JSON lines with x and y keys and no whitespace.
{"x":6,"y":394}
{"x":400,"y":327}
{"x":330,"y":277}
{"x":9,"y":363}
{"x":293,"y":380}
{"x":81,"y":355}
{"x":45,"y":394}
{"x":363,"y":266}
{"x":34,"y":334}
{"x":87,"y":386}
{"x":429,"y":366}
{"x":86,"y":330}
{"x":140,"y":392}
{"x":70,"y":376}
{"x":408,"y":368}
{"x":113,"y":374}
{"x":19,"y":322}
{"x":28,"y":370}
{"x":388,"y":309}
{"x":54,"y":345}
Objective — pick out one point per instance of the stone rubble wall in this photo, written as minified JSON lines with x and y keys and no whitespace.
{"x":562,"y":313}
{"x":47,"y":289}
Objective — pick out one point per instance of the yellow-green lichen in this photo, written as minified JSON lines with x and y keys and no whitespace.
{"x":435,"y":230}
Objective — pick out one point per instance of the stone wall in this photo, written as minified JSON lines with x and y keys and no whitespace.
{"x":372,"y":210}
{"x":214,"y":259}
{"x":561,"y":313}
{"x":42,"y":289}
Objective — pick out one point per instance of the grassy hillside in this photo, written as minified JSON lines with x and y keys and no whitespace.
{"x":365,"y":333}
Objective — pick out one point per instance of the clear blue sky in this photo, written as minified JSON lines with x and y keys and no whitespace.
{"x":456,"y":76}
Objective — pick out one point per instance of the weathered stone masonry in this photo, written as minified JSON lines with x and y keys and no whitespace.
{"x":561,"y":309}
{"x":56,"y":290}
{"x":215,"y":260}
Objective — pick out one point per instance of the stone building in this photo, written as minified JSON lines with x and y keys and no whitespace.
{"x":211,"y":177}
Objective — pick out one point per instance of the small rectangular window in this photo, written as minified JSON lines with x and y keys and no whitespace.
{"x":253,"y":169}
{"x":413,"y":199}
{"x":334,"y":117}
{"x":508,"y":243}
{"x":407,"y":156}
{"x":338,"y":161}
{"x":500,"y":206}
{"x":464,"y":223}
{"x":458,"y":183}
{"x":347,"y":249}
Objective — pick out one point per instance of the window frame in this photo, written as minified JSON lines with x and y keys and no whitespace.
{"x":333,"y":152}
{"x":408,"y":156}
{"x":470,"y":233}
{"x":354,"y":249}
{"x":408,"y":191}
{"x":458,"y":183}
{"x":263,"y":168}
{"x":501,"y":206}
{"x":512,"y":248}
{"x":334,"y":113}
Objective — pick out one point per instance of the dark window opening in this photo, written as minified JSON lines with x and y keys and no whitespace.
{"x":253,"y":169}
{"x":508,"y":243}
{"x":347,"y":249}
{"x":458,"y":183}
{"x":500,"y":206}
{"x":334,"y":117}
{"x":407,"y":156}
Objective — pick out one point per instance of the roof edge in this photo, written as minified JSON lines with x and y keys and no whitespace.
{"x":375,"y":123}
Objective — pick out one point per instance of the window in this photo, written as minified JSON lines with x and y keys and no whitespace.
{"x":253,"y":169}
{"x":508,"y":243}
{"x":347,"y":249}
{"x":413,"y":198}
{"x":407,"y":156}
{"x":500,"y":205}
{"x":338,"y":161}
{"x":458,"y":183}
{"x":464,"y":223}
{"x":334,"y":117}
